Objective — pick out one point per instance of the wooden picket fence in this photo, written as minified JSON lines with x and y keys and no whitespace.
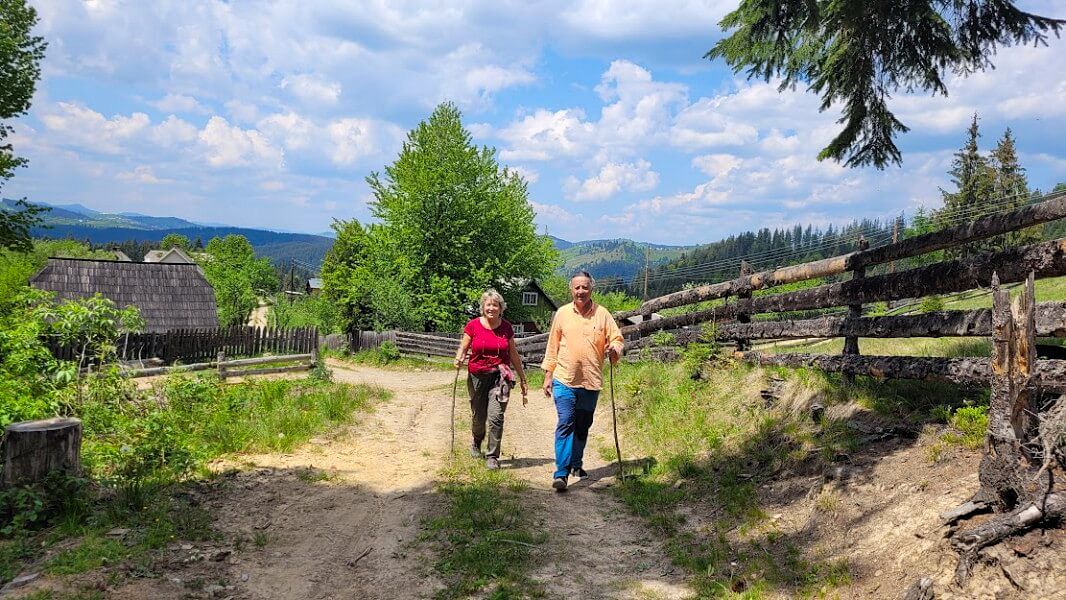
{"x":190,"y":345}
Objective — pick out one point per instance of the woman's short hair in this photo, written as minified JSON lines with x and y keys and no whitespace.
{"x":491,"y":294}
{"x":585,"y":274}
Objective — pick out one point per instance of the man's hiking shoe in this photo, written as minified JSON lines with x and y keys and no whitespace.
{"x":580,"y":473}
{"x":492,"y":463}
{"x":559,"y":483}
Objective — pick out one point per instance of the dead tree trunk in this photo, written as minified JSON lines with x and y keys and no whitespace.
{"x":1012,"y":480}
{"x":33,"y":449}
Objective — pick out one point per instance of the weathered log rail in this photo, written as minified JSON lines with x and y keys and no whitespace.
{"x":237,"y":368}
{"x":1052,"y":209}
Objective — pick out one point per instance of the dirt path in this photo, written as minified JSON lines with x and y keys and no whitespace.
{"x":352,"y":535}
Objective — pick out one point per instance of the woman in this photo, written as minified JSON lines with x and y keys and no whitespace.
{"x":494,"y":360}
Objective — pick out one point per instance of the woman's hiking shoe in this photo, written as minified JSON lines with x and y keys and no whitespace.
{"x":475,"y":451}
{"x":559,"y":483}
{"x":580,"y":473}
{"x":492,"y":463}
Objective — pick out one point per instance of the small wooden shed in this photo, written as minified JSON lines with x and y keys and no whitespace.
{"x":168,"y":295}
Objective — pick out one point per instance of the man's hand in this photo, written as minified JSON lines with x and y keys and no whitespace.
{"x":613,"y":354}
{"x":547,"y":387}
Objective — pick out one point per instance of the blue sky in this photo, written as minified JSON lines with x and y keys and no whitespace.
{"x":271,"y":114}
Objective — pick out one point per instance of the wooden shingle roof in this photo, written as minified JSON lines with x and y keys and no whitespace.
{"x":169,"y":296}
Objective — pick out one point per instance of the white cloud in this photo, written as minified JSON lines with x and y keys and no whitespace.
{"x":716,"y":165}
{"x":312,"y":88}
{"x":80,"y":126}
{"x":530,"y":176}
{"x":179,"y":103}
{"x":352,"y":139}
{"x":173,"y":131}
{"x":226,"y":145}
{"x":142,"y":174}
{"x":553,"y":214}
{"x":612,"y":179}
{"x":272,"y":186}
{"x":546,"y":135}
{"x":243,"y":112}
{"x":291,"y":130}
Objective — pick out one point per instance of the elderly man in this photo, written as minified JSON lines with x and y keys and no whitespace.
{"x":581,"y":334}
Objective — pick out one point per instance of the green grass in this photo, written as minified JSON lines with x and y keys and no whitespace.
{"x":91,"y":553}
{"x":486,"y":543}
{"x":141,"y":449}
{"x":949,"y":347}
{"x":388,"y":360}
{"x":711,"y":442}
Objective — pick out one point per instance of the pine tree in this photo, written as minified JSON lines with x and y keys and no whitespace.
{"x":1011,"y":190}
{"x":974,"y":181}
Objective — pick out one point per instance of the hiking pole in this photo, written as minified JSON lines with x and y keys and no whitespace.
{"x":455,"y":385}
{"x":614,"y":424}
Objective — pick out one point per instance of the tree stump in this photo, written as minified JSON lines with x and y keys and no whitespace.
{"x":1015,"y":482}
{"x":33,"y":449}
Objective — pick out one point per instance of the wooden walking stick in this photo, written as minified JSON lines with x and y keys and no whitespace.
{"x":455,"y":384}
{"x":614,"y":424}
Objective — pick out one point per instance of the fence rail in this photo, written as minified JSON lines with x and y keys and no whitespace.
{"x":738,"y":318}
{"x":233,"y":368}
{"x":188,"y":345}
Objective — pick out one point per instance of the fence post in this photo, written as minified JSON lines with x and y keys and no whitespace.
{"x":221,"y":364}
{"x":851,"y":343}
{"x":1003,"y":473}
{"x":744,"y":345}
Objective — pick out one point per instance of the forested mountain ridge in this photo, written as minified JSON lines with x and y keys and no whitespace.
{"x":613,"y":258}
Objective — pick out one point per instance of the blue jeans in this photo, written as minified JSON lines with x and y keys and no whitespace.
{"x":576,"y":407}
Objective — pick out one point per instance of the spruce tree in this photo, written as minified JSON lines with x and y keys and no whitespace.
{"x":1011,"y":189}
{"x":974,"y":181}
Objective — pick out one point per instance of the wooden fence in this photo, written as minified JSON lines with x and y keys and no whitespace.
{"x":741,"y":316}
{"x":238,"y":368}
{"x":188,"y":345}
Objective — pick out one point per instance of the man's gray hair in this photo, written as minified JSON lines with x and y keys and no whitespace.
{"x":491,"y":294}
{"x":586,"y":274}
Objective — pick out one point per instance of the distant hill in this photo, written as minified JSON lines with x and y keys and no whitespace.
{"x":77,"y":222}
{"x":613,"y":258}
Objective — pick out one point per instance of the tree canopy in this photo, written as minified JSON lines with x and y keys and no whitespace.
{"x":20,"y":56}
{"x":452,"y":223}
{"x":237,"y":276}
{"x":857,"y":53}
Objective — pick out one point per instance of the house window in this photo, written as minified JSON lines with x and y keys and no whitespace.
{"x":529,"y":298}
{"x":518,"y":328}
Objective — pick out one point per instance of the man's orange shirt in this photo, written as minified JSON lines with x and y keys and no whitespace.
{"x":577,"y":344}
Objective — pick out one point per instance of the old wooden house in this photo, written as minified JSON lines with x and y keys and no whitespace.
{"x":168,"y":295}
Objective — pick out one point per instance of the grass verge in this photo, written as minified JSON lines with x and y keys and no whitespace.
{"x":711,"y":441}
{"x":141,"y":448}
{"x":485,"y":539}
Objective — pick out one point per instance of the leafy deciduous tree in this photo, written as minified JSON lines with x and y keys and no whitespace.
{"x":236,"y":276}
{"x":20,"y":56}
{"x":452,"y":224}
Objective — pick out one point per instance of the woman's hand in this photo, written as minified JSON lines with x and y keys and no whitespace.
{"x":457,"y":363}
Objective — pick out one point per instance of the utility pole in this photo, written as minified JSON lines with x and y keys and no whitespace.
{"x":647,"y":263}
{"x":292,"y":278}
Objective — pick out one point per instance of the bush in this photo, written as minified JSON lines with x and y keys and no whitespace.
{"x":931,"y":304}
